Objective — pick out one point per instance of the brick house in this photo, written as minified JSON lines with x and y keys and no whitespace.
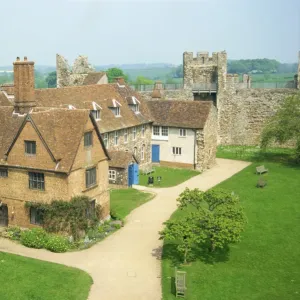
{"x":184,"y":133}
{"x":47,"y":154}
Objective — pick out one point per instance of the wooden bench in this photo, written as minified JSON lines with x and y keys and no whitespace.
{"x":261,"y":170}
{"x":180,"y":283}
{"x":148,"y":171}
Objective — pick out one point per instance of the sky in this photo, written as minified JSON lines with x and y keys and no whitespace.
{"x":141,"y":31}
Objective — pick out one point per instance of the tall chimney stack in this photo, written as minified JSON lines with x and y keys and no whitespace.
{"x":24,"y":85}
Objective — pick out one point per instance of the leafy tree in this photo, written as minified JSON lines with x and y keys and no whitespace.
{"x":143,"y":80}
{"x":218,"y":220}
{"x":51,"y":79}
{"x":185,"y":232}
{"x":112,"y":73}
{"x":284,"y":125}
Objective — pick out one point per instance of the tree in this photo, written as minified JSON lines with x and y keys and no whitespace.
{"x":112,"y":73}
{"x":143,"y":80}
{"x":51,"y":79}
{"x":218,"y":221}
{"x":284,"y":126}
{"x":185,"y":232}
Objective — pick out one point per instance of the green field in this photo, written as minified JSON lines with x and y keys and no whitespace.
{"x":30,"y":279}
{"x":123,"y":201}
{"x":266,"y":263}
{"x":151,"y":73}
{"x":170,"y":176}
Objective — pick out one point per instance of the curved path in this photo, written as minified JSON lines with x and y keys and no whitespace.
{"x":126,"y":264}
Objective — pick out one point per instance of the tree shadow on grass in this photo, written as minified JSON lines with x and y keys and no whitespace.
{"x":170,"y":253}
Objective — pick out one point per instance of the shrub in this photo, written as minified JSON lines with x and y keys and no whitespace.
{"x":57,"y":243}
{"x":14,"y":232}
{"x":34,"y":238}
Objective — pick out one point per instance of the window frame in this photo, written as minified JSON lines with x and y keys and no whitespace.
{"x":116,"y":138}
{"x":143,"y":152}
{"x":117,"y":111}
{"x":106,"y":140}
{"x":181,"y":131}
{"x":154,"y":129}
{"x":135,"y":151}
{"x":166,"y":129}
{"x":96,"y":114}
{"x":112,"y":175}
{"x":125,"y":135}
{"x":88,"y":177}
{"x":177,"y":151}
{"x":36,"y":216}
{"x":133,"y":133}
{"x":143,"y":130}
{"x":36,"y":183}
{"x":88,"y":134}
{"x":90,"y":212}
{"x":29,"y":146}
{"x":3,"y":172}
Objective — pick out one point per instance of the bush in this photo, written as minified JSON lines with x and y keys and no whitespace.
{"x":14,"y":233}
{"x":57,"y":243}
{"x":34,"y":238}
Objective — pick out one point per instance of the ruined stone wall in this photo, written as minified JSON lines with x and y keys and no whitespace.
{"x":67,"y":76}
{"x":298,"y":78}
{"x":242,"y":113}
{"x":207,"y":142}
{"x":183,"y":94}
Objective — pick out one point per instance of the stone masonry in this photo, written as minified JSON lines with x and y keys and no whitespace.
{"x":67,"y":76}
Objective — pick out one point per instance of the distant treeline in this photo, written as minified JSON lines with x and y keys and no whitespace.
{"x":260,"y":66}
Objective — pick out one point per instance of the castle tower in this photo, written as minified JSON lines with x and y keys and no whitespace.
{"x":24,"y":85}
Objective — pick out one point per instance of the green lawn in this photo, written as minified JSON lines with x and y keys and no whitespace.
{"x":30,"y":279}
{"x":123,"y":201}
{"x":170,"y":176}
{"x":266,"y":263}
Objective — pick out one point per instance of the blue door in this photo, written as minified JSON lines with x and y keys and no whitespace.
{"x":133,"y":174}
{"x":155,"y":153}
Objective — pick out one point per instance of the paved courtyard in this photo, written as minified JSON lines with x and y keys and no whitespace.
{"x":126,"y":265}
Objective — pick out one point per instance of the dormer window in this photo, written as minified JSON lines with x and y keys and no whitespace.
{"x":115,"y":107}
{"x":96,"y":114}
{"x":96,"y":111}
{"x":133,"y":103}
{"x":30,"y":147}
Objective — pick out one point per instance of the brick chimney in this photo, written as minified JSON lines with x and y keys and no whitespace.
{"x":119,"y":80}
{"x":24,"y":85}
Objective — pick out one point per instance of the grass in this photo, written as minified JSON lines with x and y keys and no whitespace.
{"x":30,"y":279}
{"x":170,"y":176}
{"x":255,"y":154}
{"x":266,"y":263}
{"x":123,"y":201}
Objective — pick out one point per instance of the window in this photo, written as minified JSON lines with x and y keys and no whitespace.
{"x":134,"y":133}
{"x":3,"y":172}
{"x":143,"y":130}
{"x":36,"y":216}
{"x":125,"y":135}
{"x":90,"y":177}
{"x":36,"y":181}
{"x":156,"y":130}
{"x":176,"y":150}
{"x":143,"y":152}
{"x":135,"y":151}
{"x":105,"y":139}
{"x":30,"y":147}
{"x":96,"y":114}
{"x":182,"y":132}
{"x":135,"y":108}
{"x":91,"y":210}
{"x":116,"y":138}
{"x":112,"y":174}
{"x":88,"y":139}
{"x":164,"y":131}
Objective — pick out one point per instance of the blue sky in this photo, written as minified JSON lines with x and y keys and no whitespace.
{"x":116,"y":32}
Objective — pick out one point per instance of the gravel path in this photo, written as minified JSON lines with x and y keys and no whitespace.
{"x":126,"y":264}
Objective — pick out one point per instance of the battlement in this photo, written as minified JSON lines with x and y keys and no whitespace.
{"x":201,"y":58}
